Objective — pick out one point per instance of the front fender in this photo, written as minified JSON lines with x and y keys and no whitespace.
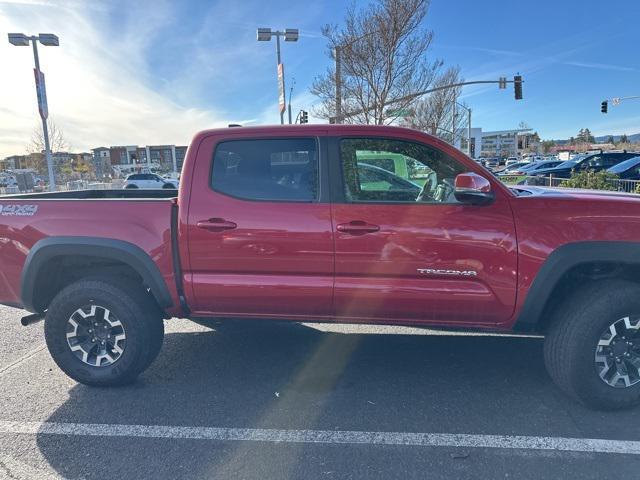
{"x":559,"y":262}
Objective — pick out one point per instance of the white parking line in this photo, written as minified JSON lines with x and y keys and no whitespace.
{"x":15,"y":364}
{"x":589,"y":445}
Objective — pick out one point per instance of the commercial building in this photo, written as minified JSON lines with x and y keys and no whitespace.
{"x":500,"y":143}
{"x":124,"y":159}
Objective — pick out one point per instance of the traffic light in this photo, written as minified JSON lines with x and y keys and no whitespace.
{"x":517,"y":86}
{"x":604,"y":106}
{"x":304,"y":116}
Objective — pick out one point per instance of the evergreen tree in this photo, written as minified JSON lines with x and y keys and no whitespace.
{"x":610,"y":139}
{"x":588,"y":138}
{"x":624,"y":139}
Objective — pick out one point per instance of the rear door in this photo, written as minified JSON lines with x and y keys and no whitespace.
{"x":408,"y":251}
{"x":259,"y":225}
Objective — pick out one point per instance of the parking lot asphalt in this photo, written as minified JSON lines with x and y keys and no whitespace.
{"x":275,"y":400}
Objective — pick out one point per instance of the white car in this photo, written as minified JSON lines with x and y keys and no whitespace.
{"x":149,"y":180}
{"x":511,"y":161}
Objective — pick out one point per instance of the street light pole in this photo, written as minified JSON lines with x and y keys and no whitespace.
{"x":290,"y":35}
{"x":283,"y":87}
{"x":45,"y":127}
{"x":47,"y":39}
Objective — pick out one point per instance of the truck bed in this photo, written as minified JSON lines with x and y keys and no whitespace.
{"x":123,"y":193}
{"x":140,"y":217}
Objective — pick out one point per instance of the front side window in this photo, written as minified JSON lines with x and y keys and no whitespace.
{"x":414,"y":172}
{"x":272,"y":169}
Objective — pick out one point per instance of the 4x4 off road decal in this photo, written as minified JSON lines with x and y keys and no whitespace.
{"x":18,"y":210}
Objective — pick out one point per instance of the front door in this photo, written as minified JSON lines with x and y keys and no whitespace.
{"x":260,"y":240}
{"x":406,"y":249}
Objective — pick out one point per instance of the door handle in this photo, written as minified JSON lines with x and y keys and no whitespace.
{"x":216,"y":224}
{"x":357,"y":227}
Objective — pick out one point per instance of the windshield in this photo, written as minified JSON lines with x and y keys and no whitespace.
{"x":530,"y":166}
{"x":621,"y":167}
{"x":569,"y":163}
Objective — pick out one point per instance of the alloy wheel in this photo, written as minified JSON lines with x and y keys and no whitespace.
{"x":617,"y":354}
{"x":96,"y":336}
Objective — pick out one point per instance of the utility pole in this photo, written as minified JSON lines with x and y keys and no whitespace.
{"x":338,"y":81}
{"x":453,"y":123}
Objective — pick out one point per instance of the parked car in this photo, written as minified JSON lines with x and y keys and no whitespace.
{"x":378,"y":179}
{"x":519,"y":174}
{"x":627,"y":170}
{"x":492,"y":162}
{"x":512,"y":167}
{"x":511,"y":161}
{"x":595,"y":162}
{"x":149,"y":180}
{"x":264,"y":226}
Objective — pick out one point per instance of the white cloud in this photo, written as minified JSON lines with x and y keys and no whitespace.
{"x":601,"y":66}
{"x":97,"y":80}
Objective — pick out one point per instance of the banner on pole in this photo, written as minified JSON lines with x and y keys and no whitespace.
{"x":41,"y":93}
{"x":281,"y":88}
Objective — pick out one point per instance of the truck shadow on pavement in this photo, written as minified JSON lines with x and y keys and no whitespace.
{"x":290,"y":376}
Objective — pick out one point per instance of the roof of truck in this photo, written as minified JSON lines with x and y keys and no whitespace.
{"x":325,"y":127}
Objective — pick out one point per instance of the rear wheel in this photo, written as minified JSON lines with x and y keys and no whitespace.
{"x":592,"y":350}
{"x":131,"y":185}
{"x":103,"y":332}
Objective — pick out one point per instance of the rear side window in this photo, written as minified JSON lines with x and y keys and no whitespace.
{"x":270,"y":169}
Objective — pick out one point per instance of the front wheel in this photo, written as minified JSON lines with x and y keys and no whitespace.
{"x":592,"y":349}
{"x":102,"y":332}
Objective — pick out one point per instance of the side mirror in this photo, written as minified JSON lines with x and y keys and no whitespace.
{"x":473,"y":189}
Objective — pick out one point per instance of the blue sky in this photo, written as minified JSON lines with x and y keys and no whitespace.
{"x":155,"y":71}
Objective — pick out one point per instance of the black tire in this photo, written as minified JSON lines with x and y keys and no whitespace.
{"x":570,"y":344}
{"x":131,"y":305}
{"x":169,"y":186}
{"x":131,"y":185}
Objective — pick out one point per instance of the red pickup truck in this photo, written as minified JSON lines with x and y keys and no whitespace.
{"x":332,"y":223}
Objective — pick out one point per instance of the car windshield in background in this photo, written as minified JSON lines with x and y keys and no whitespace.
{"x":621,"y":167}
{"x":530,"y":166}
{"x":569,"y":163}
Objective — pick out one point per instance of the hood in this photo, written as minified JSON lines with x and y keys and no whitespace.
{"x":546,"y":171}
{"x":577,"y":193}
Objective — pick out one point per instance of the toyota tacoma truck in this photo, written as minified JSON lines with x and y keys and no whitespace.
{"x":331,"y":223}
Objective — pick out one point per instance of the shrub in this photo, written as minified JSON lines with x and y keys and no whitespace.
{"x":593,"y":180}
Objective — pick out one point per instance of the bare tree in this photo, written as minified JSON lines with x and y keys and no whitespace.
{"x":438,"y":113}
{"x":383,"y":51}
{"x":57,"y":140}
